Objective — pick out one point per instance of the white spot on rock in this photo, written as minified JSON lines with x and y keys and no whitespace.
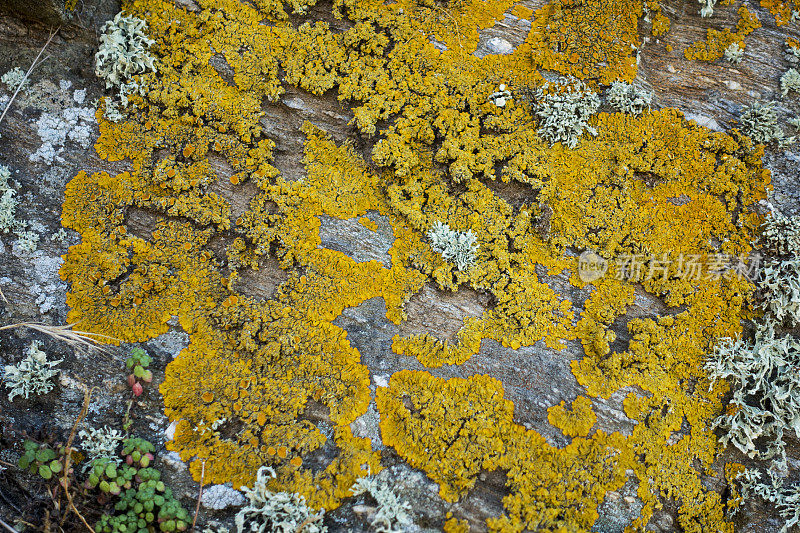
{"x":498,"y":45}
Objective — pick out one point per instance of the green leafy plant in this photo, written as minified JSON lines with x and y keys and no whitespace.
{"x":138,"y":363}
{"x":145,"y":504}
{"x":41,"y":459}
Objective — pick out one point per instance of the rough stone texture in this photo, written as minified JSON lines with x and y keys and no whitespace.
{"x":534,"y":377}
{"x":47,"y":11}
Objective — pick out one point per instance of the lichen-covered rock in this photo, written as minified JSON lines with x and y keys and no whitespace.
{"x":295,"y":260}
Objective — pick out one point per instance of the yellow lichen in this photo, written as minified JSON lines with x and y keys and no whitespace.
{"x":453,"y":429}
{"x":660,"y":23}
{"x":262,"y":377}
{"x":716,"y":41}
{"x":575,"y":423}
{"x":454,"y":525}
{"x":782,"y":10}
{"x":589,"y":39}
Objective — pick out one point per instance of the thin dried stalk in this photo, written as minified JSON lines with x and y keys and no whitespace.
{"x":200,"y":495}
{"x":9,"y":528}
{"x":65,"y":333}
{"x":68,"y":456}
{"x":25,"y":77}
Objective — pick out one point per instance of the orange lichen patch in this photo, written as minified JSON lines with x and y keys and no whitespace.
{"x":716,"y":41}
{"x":521,"y":11}
{"x":440,"y":143}
{"x":732,"y":472}
{"x":659,"y":22}
{"x":574,"y":423}
{"x":454,"y":428}
{"x":781,"y":9}
{"x":367,"y":223}
{"x":458,"y":26}
{"x":588,"y":39}
{"x":454,"y":525}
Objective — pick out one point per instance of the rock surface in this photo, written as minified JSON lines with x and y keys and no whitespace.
{"x":47,"y":137}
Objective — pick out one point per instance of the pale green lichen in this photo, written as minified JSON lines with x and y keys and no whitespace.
{"x":393,"y":515}
{"x":32,"y":376}
{"x":276,"y":512}
{"x":790,"y":81}
{"x":13,"y":78}
{"x":456,"y":246}
{"x":760,"y":122}
{"x":100,"y":444}
{"x":734,"y":53}
{"x":780,"y":283}
{"x":707,"y":8}
{"x":112,"y":111}
{"x":792,"y":53}
{"x":764,"y":377}
{"x":786,"y":498}
{"x":123,"y":54}
{"x":27,"y":240}
{"x":59,"y":236}
{"x":779,"y":279}
{"x":781,"y":234}
{"x":8,"y":203}
{"x":627,"y":98}
{"x":563,"y":109}
{"x":764,"y":404}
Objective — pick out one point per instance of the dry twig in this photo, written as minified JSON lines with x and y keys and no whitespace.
{"x":66,"y":334}
{"x":9,"y":528}
{"x":200,"y":495}
{"x":25,"y":77}
{"x":68,"y":456}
